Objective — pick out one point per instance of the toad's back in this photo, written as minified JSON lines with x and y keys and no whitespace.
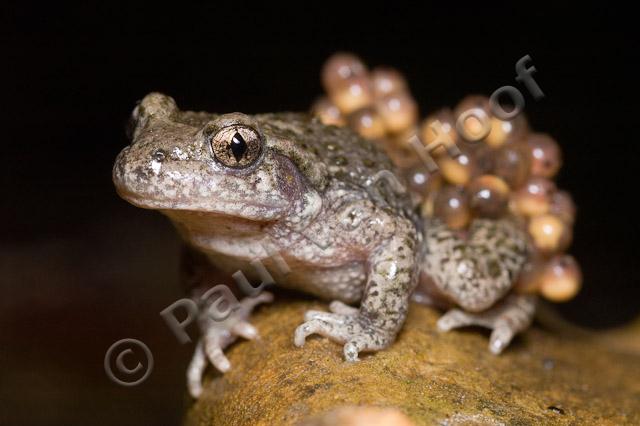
{"x":340,"y":157}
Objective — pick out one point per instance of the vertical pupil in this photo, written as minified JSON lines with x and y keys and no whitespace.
{"x":238,"y":146}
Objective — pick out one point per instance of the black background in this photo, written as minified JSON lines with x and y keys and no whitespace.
{"x":82,"y":269}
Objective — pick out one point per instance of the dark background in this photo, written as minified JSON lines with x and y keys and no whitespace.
{"x":80,"y":268}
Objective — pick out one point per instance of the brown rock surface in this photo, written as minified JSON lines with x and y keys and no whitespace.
{"x":448,"y":379}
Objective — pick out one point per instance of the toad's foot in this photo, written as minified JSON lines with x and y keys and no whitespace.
{"x":344,"y":324}
{"x":217,"y":335}
{"x":506,"y":319}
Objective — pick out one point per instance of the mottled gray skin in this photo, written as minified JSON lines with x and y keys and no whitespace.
{"x":476,"y":272}
{"x":330,"y":203}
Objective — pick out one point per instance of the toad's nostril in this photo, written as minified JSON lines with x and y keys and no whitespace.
{"x":159,"y":156}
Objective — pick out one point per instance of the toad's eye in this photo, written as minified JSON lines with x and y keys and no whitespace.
{"x":236,"y":146}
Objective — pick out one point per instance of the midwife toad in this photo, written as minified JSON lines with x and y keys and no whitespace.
{"x":331,"y":205}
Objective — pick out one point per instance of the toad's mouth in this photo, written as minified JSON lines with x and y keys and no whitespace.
{"x":176,"y":208}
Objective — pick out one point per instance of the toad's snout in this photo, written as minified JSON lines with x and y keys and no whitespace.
{"x":136,"y":179}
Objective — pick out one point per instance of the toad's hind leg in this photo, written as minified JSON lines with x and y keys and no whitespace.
{"x":475,"y":271}
{"x":506,"y":319}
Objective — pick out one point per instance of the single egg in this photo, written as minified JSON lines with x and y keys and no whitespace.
{"x":505,"y":131}
{"x":561,"y":279}
{"x":386,"y":81}
{"x":473,"y":118}
{"x":549,"y":233}
{"x":488,"y":195}
{"x":437,"y":124}
{"x":533,"y":198}
{"x":458,"y":170}
{"x":546,"y":157}
{"x":398,"y":110}
{"x":421,"y":181}
{"x":452,"y":207}
{"x":511,"y":163}
{"x":339,"y":68}
{"x":368,"y":123}
{"x":327,"y":112}
{"x":352,"y":94}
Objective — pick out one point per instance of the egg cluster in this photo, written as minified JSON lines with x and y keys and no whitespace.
{"x":503,"y":170}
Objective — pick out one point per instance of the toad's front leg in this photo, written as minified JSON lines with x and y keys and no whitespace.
{"x":383,"y":308}
{"x":218,"y":335}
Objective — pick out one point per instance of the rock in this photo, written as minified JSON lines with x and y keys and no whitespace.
{"x":433,"y":378}
{"x":360,"y":416}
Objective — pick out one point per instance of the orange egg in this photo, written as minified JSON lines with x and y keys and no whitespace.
{"x":511,"y":163}
{"x":368,"y":123}
{"x":429,"y":131}
{"x":504,"y":131}
{"x":488,"y":195}
{"x":458,"y":170}
{"x":352,"y":94}
{"x":398,"y":110}
{"x":533,"y":198}
{"x":561,"y":279}
{"x":550,"y":234}
{"x":421,"y":181}
{"x":452,"y":207}
{"x":327,"y":112}
{"x":546,"y":157}
{"x":473,"y":118}
{"x":386,"y":81}
{"x":339,"y":68}
{"x":470,"y":102}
